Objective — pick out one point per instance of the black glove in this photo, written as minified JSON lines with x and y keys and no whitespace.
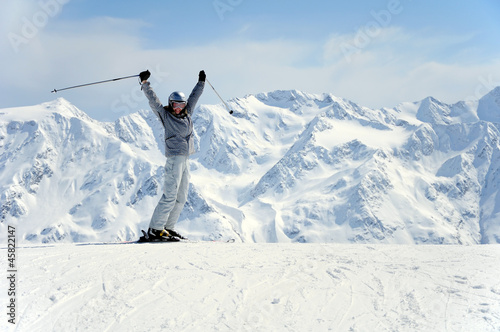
{"x":202,"y":76}
{"x":144,"y":75}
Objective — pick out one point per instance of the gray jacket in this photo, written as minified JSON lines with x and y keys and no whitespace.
{"x":178,"y":131}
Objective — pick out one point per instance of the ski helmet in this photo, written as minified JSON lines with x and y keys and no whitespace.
{"x":177,"y":96}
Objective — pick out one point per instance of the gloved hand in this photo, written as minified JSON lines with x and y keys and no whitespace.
{"x":202,"y":76}
{"x":144,"y":75}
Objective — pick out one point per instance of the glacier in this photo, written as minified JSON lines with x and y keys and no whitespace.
{"x":287,"y":166}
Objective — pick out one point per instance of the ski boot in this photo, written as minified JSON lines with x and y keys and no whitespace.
{"x":175,"y":234}
{"x":154,"y":235}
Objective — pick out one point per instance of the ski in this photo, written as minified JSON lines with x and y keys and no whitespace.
{"x":144,"y":242}
{"x":105,"y":243}
{"x":231,"y":240}
{"x":178,"y":238}
{"x":123,"y":242}
{"x":145,"y":239}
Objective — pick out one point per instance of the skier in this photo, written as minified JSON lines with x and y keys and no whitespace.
{"x":176,"y":119}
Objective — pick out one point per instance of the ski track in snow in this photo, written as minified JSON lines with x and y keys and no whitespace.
{"x":257,"y":287}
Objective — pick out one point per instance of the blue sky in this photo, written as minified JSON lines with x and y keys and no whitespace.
{"x":375,"y":53}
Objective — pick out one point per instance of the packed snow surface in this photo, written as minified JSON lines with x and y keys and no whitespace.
{"x":209,"y":286}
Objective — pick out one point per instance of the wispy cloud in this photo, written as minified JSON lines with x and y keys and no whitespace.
{"x":398,"y":65}
{"x":395,"y":65}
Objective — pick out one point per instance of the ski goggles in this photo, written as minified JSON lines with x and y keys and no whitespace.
{"x":179,"y":104}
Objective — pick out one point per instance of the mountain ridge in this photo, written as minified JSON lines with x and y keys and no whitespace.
{"x":287,"y":167}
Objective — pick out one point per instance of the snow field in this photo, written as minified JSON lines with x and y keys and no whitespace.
{"x":210,"y":286}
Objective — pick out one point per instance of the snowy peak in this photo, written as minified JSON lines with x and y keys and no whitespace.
{"x":69,"y":177}
{"x":489,"y":106}
{"x":344,"y":173}
{"x":287,"y":166}
{"x":435,"y":112}
{"x":294,"y":100}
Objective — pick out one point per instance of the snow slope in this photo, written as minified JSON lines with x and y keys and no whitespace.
{"x":287,"y":166}
{"x":256,"y":287}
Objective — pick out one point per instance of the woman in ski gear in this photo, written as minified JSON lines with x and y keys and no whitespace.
{"x":178,"y":125}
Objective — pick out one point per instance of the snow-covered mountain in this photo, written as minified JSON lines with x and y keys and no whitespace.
{"x":287,"y":166}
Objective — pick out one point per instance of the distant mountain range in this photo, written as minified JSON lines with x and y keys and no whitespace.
{"x":287,"y":166}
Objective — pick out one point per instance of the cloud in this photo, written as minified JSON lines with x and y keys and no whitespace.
{"x":102,"y":48}
{"x":398,"y":65}
{"x":63,"y":54}
{"x":395,"y":66}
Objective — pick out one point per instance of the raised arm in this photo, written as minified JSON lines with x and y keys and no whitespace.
{"x":196,"y":93}
{"x":154,"y":101}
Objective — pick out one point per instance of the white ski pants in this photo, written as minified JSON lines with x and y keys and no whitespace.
{"x":175,"y":193}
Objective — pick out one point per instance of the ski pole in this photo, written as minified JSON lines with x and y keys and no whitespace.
{"x":227,"y":107}
{"x":79,"y":86}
